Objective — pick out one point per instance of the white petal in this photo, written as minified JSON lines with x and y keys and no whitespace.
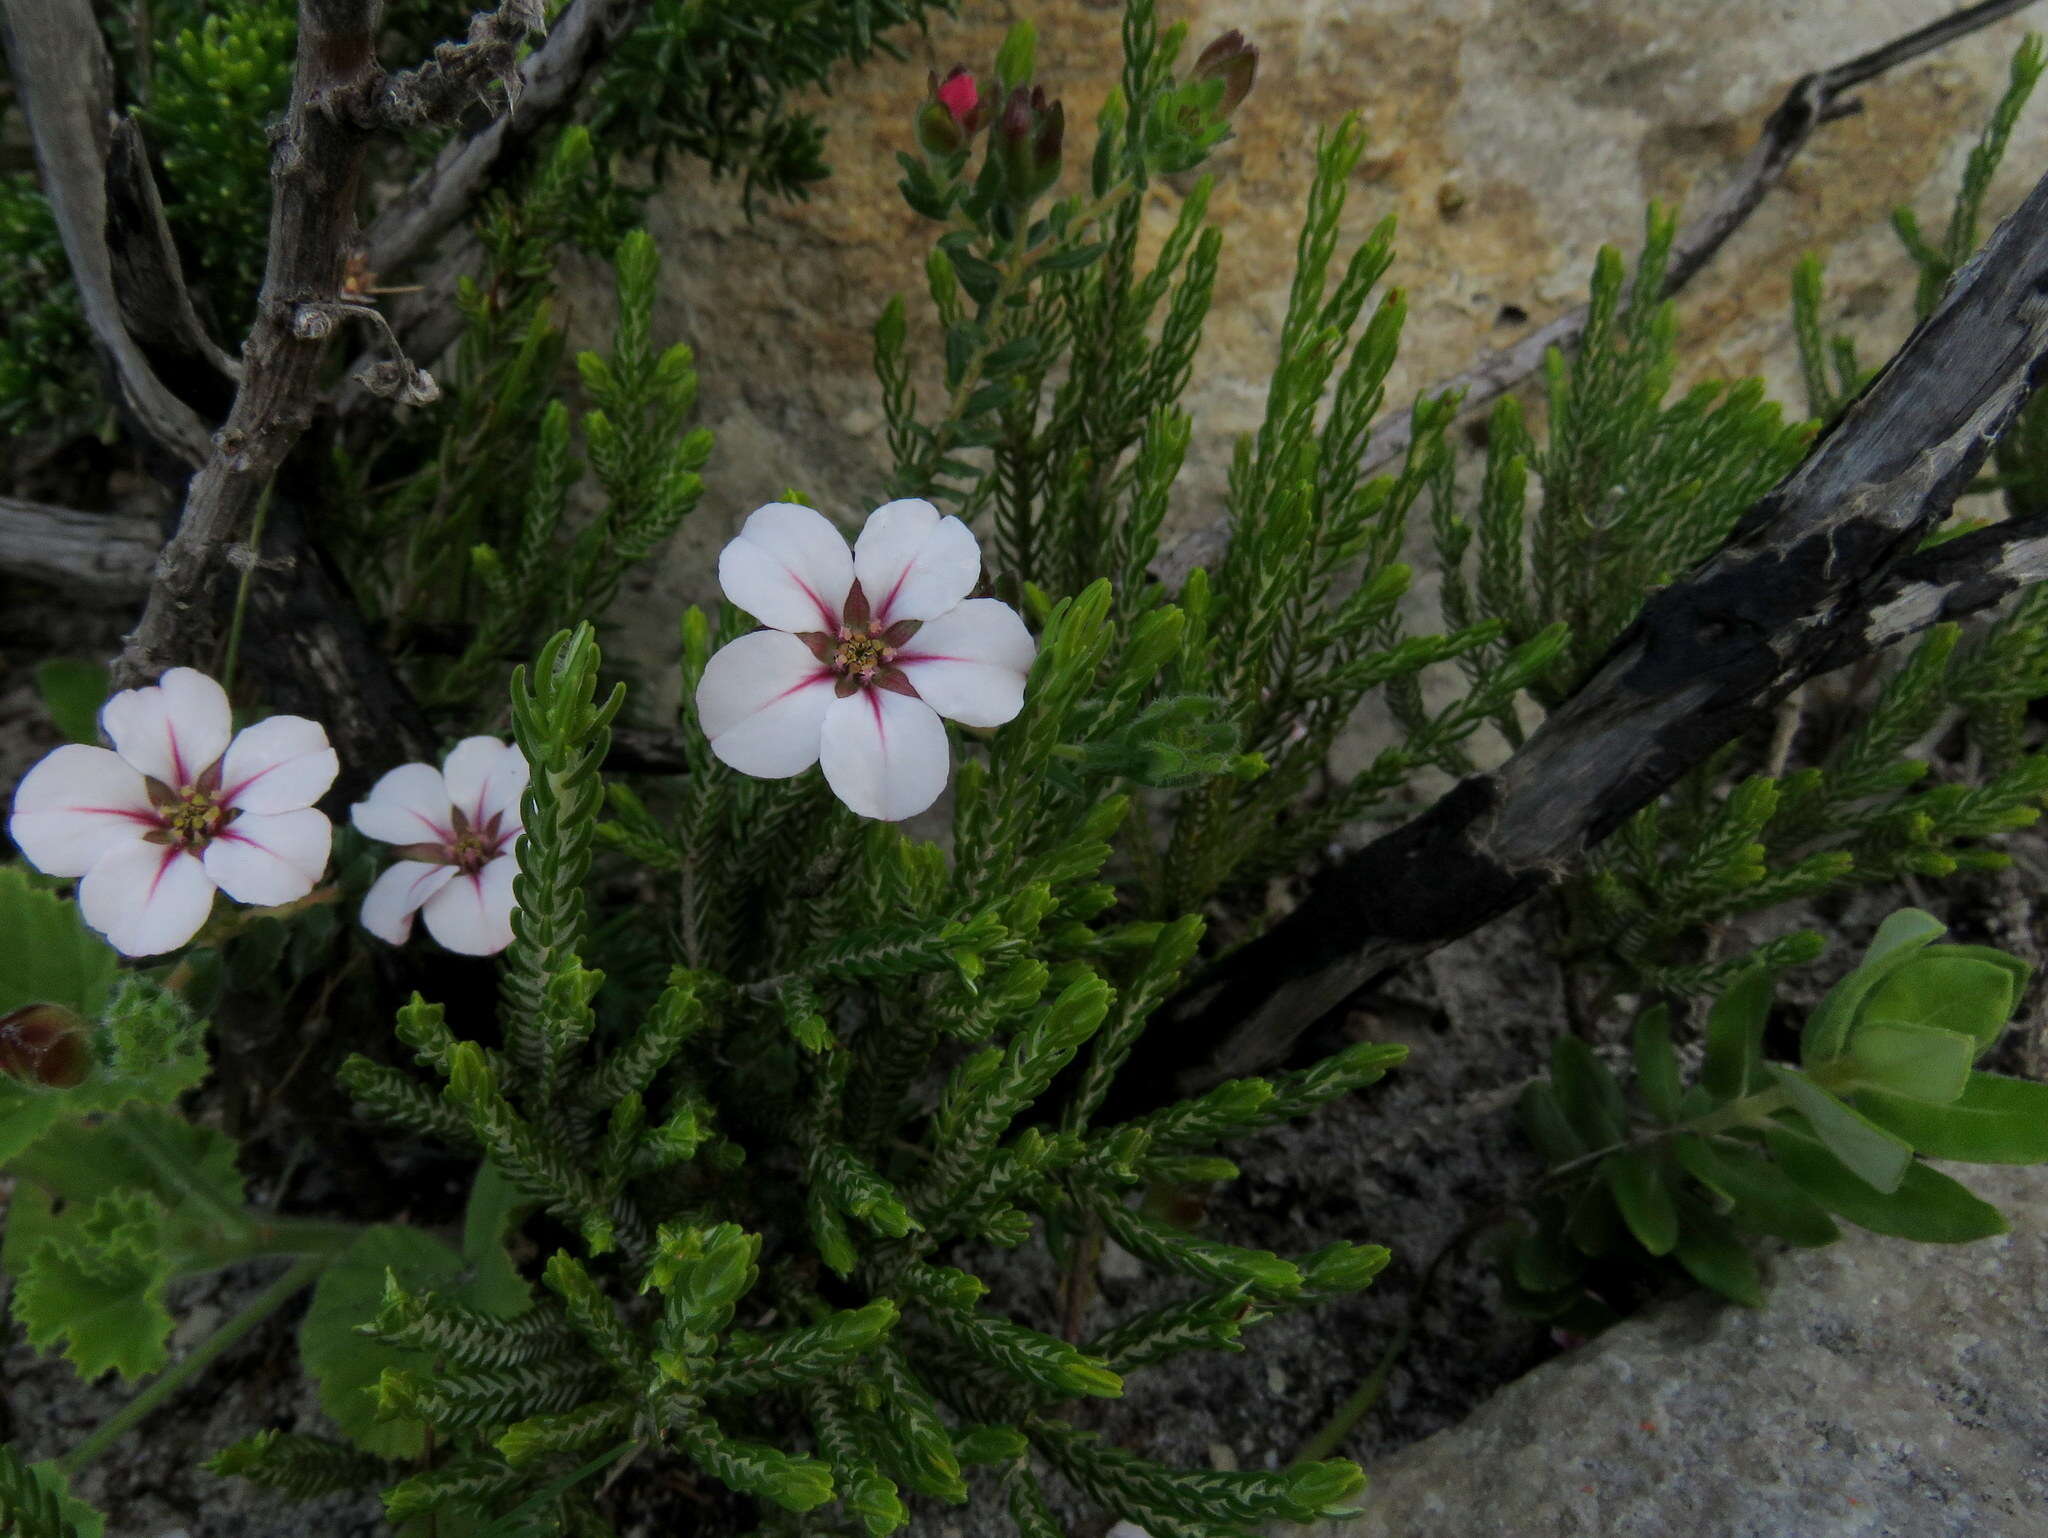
{"x":485,"y":776}
{"x":912,"y":563}
{"x":173,"y":729}
{"x":397,"y":895}
{"x":473,"y":914}
{"x":409,"y":805}
{"x":146,"y":898}
{"x":762,"y":702}
{"x":75,"y":806}
{"x":970,"y":665}
{"x":264,"y":859}
{"x":884,"y":754}
{"x":789,"y":568}
{"x":278,"y":765}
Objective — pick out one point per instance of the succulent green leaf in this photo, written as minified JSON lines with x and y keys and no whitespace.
{"x":1969,"y":989}
{"x":1657,"y":1075}
{"x":1764,"y":1199}
{"x":1645,"y":1202}
{"x":1587,"y":1092}
{"x":1918,"y":1062}
{"x":1545,"y":1122}
{"x":1735,"y":1033}
{"x":1995,"y":1120}
{"x":1715,"y":1256}
{"x":1898,"y":939}
{"x":1925,"y":1205}
{"x":1878,"y":1157}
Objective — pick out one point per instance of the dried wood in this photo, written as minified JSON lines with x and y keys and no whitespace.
{"x":1819,"y":569}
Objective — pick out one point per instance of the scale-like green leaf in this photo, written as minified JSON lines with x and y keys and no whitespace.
{"x":1878,"y":1157}
{"x":1926,"y":1205}
{"x":1995,"y":1120}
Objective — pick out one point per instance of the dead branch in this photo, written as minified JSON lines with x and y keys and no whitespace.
{"x":339,"y":97}
{"x":1815,"y":571}
{"x":549,"y":82}
{"x":1813,"y":100}
{"x":106,"y":555}
{"x":64,"y":82}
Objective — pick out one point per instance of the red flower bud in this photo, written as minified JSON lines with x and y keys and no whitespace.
{"x":960,"y":96}
{"x":44,"y":1044}
{"x":1233,"y":61}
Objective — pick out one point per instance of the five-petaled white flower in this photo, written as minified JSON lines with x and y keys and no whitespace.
{"x":176,"y":810}
{"x":865,"y":652}
{"x":455,"y":828}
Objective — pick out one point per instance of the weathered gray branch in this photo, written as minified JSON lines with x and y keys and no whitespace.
{"x":1814,"y":99}
{"x":108,"y":555}
{"x":340,"y":95}
{"x":550,"y":79}
{"x":1817,"y":570}
{"x":64,"y":83}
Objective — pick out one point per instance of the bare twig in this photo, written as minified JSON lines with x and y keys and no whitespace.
{"x":109,"y":555}
{"x":1814,"y":99}
{"x":149,"y":280}
{"x":1816,"y":572}
{"x":549,"y":81}
{"x":339,"y":96}
{"x":64,"y":83}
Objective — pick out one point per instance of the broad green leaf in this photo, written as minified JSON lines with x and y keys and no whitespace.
{"x":1971,"y":989}
{"x":1716,"y":1257}
{"x":81,"y":1519}
{"x":1878,"y":1157}
{"x":1657,"y":1075}
{"x":1996,"y":1120}
{"x":98,"y":1286}
{"x":347,"y":1365}
{"x":1898,"y":939}
{"x":1765,"y":1200}
{"x":1586,"y":1091}
{"x":495,"y":1207}
{"x":1735,"y":1033}
{"x":1645,"y":1203}
{"x":1916,"y":1061}
{"x":78,"y":1161}
{"x":73,"y":691}
{"x":25,"y":1115}
{"x":47,"y":955}
{"x":1926,"y":1206}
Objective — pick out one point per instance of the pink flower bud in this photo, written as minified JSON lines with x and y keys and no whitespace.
{"x":44,"y":1044}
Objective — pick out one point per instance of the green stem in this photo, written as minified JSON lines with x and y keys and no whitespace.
{"x":272,"y":1298}
{"x":255,"y":554}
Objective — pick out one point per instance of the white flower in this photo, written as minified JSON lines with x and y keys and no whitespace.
{"x":866,"y":651}
{"x":455,"y":828}
{"x":176,"y":810}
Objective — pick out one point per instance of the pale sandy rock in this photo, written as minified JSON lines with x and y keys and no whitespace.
{"x":1888,"y":1390}
{"x":1510,"y":137}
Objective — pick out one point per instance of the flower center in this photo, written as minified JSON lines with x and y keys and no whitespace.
{"x":471,"y":850}
{"x":189,"y":816}
{"x":861,"y":654}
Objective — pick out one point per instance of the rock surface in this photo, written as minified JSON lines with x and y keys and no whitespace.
{"x":1888,"y":1391}
{"x":1511,"y":138}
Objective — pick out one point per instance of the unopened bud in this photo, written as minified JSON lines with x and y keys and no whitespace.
{"x":1029,"y":135}
{"x":1233,"y":61}
{"x":951,"y":115}
{"x":44,"y":1044}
